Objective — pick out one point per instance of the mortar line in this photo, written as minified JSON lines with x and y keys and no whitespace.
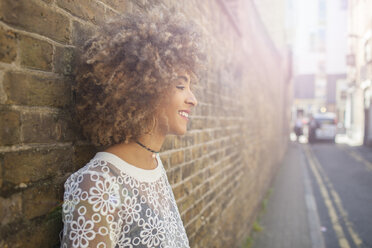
{"x":35,"y":35}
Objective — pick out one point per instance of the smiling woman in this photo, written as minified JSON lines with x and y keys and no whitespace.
{"x":177,"y":106}
{"x":133,"y":88}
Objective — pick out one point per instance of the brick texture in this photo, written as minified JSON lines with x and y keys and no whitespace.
{"x":35,"y":17}
{"x":39,"y":164}
{"x":64,"y":60}
{"x":34,"y":90}
{"x":219,"y":171}
{"x":36,"y":54}
{"x":46,"y":128}
{"x":8,"y":46}
{"x":90,"y":10}
{"x":10,"y":126}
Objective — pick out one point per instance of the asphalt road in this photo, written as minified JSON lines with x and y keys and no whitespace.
{"x":341,"y":178}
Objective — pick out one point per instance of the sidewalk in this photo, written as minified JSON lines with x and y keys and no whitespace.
{"x":291,"y":219}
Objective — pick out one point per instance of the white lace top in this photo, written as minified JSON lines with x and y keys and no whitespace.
{"x":110,"y":203}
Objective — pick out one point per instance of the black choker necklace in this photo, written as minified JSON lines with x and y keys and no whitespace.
{"x":148,"y":149}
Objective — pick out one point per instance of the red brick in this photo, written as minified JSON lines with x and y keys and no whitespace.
{"x":25,"y":89}
{"x":32,"y":16}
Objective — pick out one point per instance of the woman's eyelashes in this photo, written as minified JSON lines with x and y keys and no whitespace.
{"x":181,"y":87}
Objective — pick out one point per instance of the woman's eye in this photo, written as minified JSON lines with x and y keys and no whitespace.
{"x":181,"y":87}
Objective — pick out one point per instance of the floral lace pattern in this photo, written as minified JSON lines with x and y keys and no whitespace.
{"x":104,"y":206}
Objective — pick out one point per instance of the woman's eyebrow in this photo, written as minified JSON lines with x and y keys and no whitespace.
{"x":184,"y":78}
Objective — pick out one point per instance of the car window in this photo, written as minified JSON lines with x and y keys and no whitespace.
{"x":325,"y":121}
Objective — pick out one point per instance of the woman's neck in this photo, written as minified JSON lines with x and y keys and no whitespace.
{"x":136,"y":155}
{"x":152,"y":141}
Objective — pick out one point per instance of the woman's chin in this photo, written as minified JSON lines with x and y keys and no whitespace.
{"x":180,"y":131}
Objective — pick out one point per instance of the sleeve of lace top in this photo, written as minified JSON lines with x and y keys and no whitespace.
{"x":90,"y":210}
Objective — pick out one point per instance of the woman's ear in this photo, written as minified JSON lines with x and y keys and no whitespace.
{"x":154,"y":123}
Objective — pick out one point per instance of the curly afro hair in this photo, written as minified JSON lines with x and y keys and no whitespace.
{"x":127,"y":68}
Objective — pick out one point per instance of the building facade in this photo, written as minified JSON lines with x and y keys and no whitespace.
{"x":319,"y":51}
{"x":359,"y":74}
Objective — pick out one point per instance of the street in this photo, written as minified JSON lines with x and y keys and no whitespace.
{"x":321,"y":198}
{"x":341,"y":178}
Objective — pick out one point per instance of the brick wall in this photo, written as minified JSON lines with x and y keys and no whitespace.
{"x":219,"y":171}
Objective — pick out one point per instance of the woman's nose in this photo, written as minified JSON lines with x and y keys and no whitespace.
{"x":191,"y":99}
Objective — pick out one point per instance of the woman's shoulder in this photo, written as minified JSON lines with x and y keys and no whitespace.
{"x":106,"y":166}
{"x":96,"y":168}
{"x":127,"y":169}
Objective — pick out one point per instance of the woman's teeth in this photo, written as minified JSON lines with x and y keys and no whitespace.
{"x":184,"y":114}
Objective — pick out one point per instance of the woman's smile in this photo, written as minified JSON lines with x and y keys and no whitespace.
{"x":184,"y":114}
{"x":178,"y":105}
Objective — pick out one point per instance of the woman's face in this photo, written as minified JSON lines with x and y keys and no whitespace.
{"x":176,"y":108}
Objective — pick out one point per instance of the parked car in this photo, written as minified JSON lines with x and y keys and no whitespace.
{"x":323,"y":126}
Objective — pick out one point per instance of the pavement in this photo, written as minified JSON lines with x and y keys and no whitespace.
{"x":290,"y":218}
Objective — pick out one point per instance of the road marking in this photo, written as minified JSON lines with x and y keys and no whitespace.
{"x":357,"y":241}
{"x":320,"y":176}
{"x":316,"y":236}
{"x":342,"y":241}
{"x":358,"y":158}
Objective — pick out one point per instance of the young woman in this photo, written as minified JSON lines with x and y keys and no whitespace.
{"x":133,"y":87}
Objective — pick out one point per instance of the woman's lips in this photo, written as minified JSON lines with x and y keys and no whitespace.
{"x":184,"y":114}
